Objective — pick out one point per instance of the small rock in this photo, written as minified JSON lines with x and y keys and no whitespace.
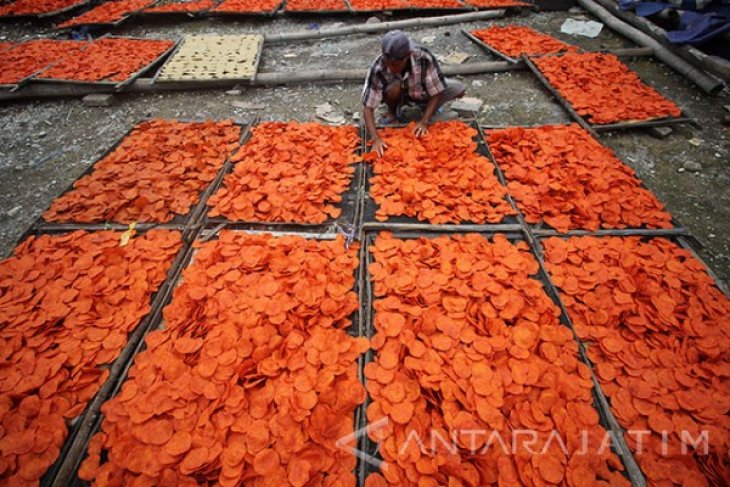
{"x":692,"y":166}
{"x":233,"y":92}
{"x":323,"y":109}
{"x":247,"y":105}
{"x":14,"y":210}
{"x":727,"y":108}
{"x":681,"y":169}
{"x":718,"y":155}
{"x":428,"y":39}
{"x":42,"y":134}
{"x":659,"y":132}
{"x":695,"y":141}
{"x":373,"y":20}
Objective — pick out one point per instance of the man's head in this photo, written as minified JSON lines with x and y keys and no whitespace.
{"x":396,"y":49}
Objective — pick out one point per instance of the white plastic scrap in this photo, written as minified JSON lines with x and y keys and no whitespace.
{"x":584,"y":28}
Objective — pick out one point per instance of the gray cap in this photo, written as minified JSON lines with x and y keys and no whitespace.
{"x":396,"y":44}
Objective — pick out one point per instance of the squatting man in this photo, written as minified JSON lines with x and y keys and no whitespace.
{"x":405,"y":74}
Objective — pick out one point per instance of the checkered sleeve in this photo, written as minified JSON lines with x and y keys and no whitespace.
{"x":434,"y":79}
{"x":372,"y":93}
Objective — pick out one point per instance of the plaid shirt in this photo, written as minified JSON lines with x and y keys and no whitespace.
{"x":423,"y":75}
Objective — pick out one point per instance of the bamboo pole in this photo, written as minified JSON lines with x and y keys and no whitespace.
{"x":263,"y":79}
{"x":382,"y":26}
{"x":708,"y":84}
{"x":147,"y":85}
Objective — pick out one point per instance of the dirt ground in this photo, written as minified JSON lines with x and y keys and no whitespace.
{"x":45,"y":145}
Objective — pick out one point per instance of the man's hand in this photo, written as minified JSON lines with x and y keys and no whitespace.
{"x":420,"y":129}
{"x":379,"y":146}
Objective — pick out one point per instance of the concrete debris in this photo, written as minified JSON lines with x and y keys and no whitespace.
{"x":98,"y":100}
{"x":323,"y":109}
{"x":332,"y":118}
{"x":692,"y":166}
{"x":467,"y":105}
{"x":327,"y":113}
{"x":454,"y":58}
{"x":372,"y":20}
{"x":233,"y":92}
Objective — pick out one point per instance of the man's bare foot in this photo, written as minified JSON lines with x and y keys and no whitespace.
{"x":388,"y":119}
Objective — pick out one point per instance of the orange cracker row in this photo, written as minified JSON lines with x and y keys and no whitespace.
{"x":252,"y":378}
{"x":469,"y":356}
{"x":438,"y":178}
{"x":289,"y":172}
{"x":516,"y":40}
{"x":67,"y":304}
{"x":603,"y":89}
{"x":658,"y":331}
{"x":560,"y":175}
{"x":155,"y":174}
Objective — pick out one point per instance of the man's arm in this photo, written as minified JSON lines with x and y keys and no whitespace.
{"x":369,"y":115}
{"x":434,"y":81}
{"x":372,"y":95}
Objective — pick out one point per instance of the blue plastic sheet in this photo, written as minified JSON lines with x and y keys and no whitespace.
{"x":700,"y":22}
